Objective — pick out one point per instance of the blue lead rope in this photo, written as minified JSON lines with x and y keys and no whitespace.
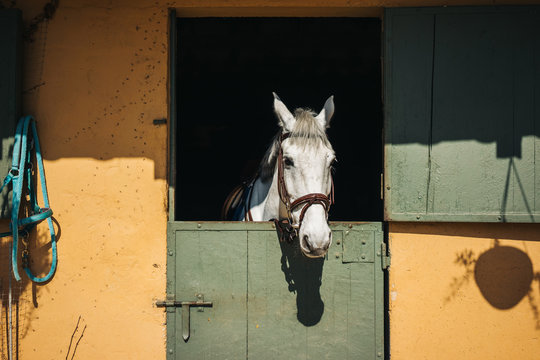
{"x":21,"y":169}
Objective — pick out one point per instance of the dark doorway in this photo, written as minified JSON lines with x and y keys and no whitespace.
{"x":227,"y":69}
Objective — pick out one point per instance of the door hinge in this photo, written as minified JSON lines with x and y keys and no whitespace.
{"x":385,"y":256}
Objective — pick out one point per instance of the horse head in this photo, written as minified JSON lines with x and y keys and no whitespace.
{"x":304,"y":174}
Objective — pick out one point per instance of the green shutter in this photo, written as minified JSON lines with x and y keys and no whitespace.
{"x":462,"y":114}
{"x":10,"y":92}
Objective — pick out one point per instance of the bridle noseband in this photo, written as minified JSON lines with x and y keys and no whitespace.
{"x":288,"y":229}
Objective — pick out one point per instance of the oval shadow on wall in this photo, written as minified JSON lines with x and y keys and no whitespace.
{"x":504,"y":275}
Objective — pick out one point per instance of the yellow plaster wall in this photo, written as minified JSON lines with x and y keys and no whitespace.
{"x":95,"y":77}
{"x":465,"y":291}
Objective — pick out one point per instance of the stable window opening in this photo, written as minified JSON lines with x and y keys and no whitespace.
{"x":226,"y":71}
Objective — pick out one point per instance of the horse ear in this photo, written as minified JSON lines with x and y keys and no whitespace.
{"x":326,"y":113}
{"x":286,"y":119}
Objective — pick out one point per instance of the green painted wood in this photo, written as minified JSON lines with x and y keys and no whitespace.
{"x":358,"y":246}
{"x":212,"y":263}
{"x":483,"y":126}
{"x":408,"y":65}
{"x":171,"y":291}
{"x":10,"y":92}
{"x":272,"y":302}
{"x":477,"y":81}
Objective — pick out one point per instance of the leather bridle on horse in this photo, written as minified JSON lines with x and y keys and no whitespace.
{"x":288,"y":229}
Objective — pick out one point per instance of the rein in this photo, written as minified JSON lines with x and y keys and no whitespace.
{"x":21,"y":170}
{"x":288,"y":229}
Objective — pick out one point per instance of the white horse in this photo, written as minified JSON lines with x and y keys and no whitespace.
{"x":294,"y":184}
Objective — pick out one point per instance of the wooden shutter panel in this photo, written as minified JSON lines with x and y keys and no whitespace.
{"x":10,"y":92}
{"x":462,"y":114}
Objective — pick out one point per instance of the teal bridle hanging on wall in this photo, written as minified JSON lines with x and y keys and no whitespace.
{"x":21,"y":169}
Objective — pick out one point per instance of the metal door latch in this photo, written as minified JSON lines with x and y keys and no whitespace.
{"x":185,"y":305}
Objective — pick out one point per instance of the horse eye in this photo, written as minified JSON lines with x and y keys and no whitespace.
{"x":288,"y":162}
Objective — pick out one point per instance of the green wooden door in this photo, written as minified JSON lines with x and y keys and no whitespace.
{"x":268,"y":300}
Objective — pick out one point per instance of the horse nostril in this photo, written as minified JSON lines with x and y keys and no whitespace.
{"x":307,"y":242}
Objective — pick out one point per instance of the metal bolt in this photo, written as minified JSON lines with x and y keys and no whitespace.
{"x":378,"y":253}
{"x":347,"y":232}
{"x":363,"y":256}
{"x":350,"y":226}
{"x":363,"y":242}
{"x":170,"y":351}
{"x":170,"y":253}
{"x":379,"y":354}
{"x":387,"y":187}
{"x":199,"y":226}
{"x":199,"y":296}
{"x":418,"y":217}
{"x":337,"y":255}
{"x":338,"y":242}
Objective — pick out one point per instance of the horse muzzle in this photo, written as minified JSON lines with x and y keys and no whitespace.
{"x":312,"y":248}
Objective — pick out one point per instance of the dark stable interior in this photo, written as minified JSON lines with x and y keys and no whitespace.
{"x":227,"y":69}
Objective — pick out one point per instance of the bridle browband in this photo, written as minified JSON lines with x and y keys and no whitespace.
{"x":288,"y":229}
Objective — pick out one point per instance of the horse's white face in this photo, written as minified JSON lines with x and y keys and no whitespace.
{"x":307,"y":170}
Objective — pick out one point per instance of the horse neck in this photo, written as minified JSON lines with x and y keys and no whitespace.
{"x":265,"y":200}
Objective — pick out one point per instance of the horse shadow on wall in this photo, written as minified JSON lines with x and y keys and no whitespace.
{"x":304,"y":277}
{"x":504,"y":275}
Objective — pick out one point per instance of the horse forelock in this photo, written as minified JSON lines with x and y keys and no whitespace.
{"x":307,"y":132}
{"x":307,"y":128}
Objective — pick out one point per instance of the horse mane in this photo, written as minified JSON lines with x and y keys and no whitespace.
{"x":306,"y":130}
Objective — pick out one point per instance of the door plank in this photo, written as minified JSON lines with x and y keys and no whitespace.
{"x":212,"y":263}
{"x":408,"y":80}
